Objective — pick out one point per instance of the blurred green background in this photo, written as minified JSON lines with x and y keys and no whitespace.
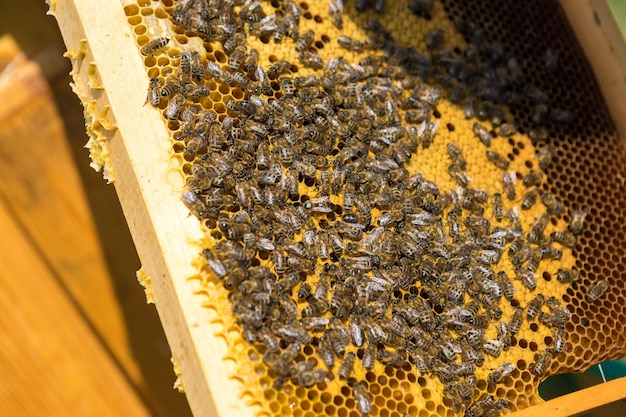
{"x":564,"y":384}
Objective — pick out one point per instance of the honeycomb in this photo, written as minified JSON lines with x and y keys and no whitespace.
{"x":475,"y":170}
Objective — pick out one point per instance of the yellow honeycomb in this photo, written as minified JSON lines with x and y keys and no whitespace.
{"x":587,"y":158}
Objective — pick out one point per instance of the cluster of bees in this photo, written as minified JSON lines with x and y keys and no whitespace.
{"x":326,"y":238}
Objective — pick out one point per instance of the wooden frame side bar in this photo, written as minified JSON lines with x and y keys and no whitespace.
{"x":603,"y":44}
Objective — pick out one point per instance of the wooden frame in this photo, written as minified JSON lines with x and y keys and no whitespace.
{"x":139,"y":163}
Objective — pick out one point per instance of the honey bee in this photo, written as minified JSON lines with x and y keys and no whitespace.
{"x":508,"y":182}
{"x":567,"y":276}
{"x":304,"y":40}
{"x":480,"y":407}
{"x":545,"y":154}
{"x":553,"y":205}
{"x":347,"y":366}
{"x":369,"y":357}
{"x":315,"y":376}
{"x":336,"y":9}
{"x":278,"y":68}
{"x":197,"y":91}
{"x":174,"y":107}
{"x":500,"y":373}
{"x":534,"y":306}
{"x":497,"y":207}
{"x":171,"y":87}
{"x":483,"y":135}
{"x":218,"y":73}
{"x":543,"y":360}
{"x":154,"y":91}
{"x":516,"y":321}
{"x":560,"y":343}
{"x":530,"y":198}
{"x":311,"y":60}
{"x":498,"y":160}
{"x":597,"y":290}
{"x":435,"y":38}
{"x":236,"y":58}
{"x":507,"y":129}
{"x":566,"y":239}
{"x":217,"y":267}
{"x":287,"y":85}
{"x":421,"y":7}
{"x":350,"y":44}
{"x":532,"y":178}
{"x":578,"y":218}
{"x":362,"y":398}
{"x":154,"y":45}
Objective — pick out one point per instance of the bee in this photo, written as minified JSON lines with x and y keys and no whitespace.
{"x":287,"y":85}
{"x":154,"y":45}
{"x":428,"y":133}
{"x":339,"y":340}
{"x":507,"y":129}
{"x":421,"y":7}
{"x":336,"y":9}
{"x":347,"y":366}
{"x":548,"y":252}
{"x":304,"y":40}
{"x":508,"y":182}
{"x":483,"y":135}
{"x":251,"y":60}
{"x":435,"y":38}
{"x":219,"y":73}
{"x":500,"y":373}
{"x":556,"y":318}
{"x":534,"y":306}
{"x":171,"y":87}
{"x":362,"y":398}
{"x":185,"y":66}
{"x":278,"y":68}
{"x":554,"y":206}
{"x":216,"y":266}
{"x":543,"y":360}
{"x":567,"y":276}
{"x":497,"y":207}
{"x":560,"y":343}
{"x":545,"y":154}
{"x":350,"y":44}
{"x":480,"y":407}
{"x":325,"y":351}
{"x":532,"y":179}
{"x":315,"y":376}
{"x":516,"y":321}
{"x":311,"y":60}
{"x":530,"y":198}
{"x":238,"y":39}
{"x":498,"y":160}
{"x":174,"y":107}
{"x":578,"y":218}
{"x":236,"y":58}
{"x":566,"y":239}
{"x":508,"y":290}
{"x":234,"y":278}
{"x":456,"y":156}
{"x":597,"y":290}
{"x":369,"y":357}
{"x":197,"y":91}
{"x":154,"y":91}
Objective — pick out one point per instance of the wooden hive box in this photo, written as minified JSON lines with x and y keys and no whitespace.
{"x":131,"y":143}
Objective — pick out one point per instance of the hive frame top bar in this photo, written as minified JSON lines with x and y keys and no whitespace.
{"x":139,"y":159}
